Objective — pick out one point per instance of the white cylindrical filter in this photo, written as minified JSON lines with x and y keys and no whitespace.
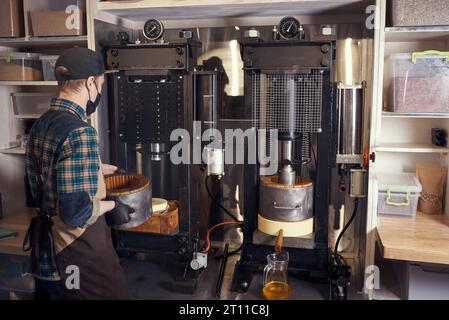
{"x":358,"y":188}
{"x":214,"y":161}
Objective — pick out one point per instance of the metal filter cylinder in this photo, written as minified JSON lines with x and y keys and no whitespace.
{"x":287,"y":203}
{"x":133,"y":190}
{"x":350,"y":103}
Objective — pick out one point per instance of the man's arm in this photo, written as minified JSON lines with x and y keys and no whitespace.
{"x":77,"y":171}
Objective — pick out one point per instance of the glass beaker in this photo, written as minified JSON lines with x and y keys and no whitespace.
{"x":275,"y":277}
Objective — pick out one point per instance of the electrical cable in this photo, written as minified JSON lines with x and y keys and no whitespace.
{"x":340,"y":236}
{"x":314,"y":155}
{"x":218,"y":203}
{"x":208,"y":243}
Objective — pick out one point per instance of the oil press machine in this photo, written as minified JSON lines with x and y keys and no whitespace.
{"x":155,"y":89}
{"x":288,"y":86}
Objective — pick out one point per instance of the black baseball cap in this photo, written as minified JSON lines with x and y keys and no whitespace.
{"x":81,"y":63}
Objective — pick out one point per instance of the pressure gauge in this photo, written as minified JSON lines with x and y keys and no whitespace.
{"x":153,"y":29}
{"x":289,"y":28}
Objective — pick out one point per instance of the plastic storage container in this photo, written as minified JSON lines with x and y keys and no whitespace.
{"x":419,"y":82}
{"x":398,"y":194}
{"x":30,"y":105}
{"x":18,"y":66}
{"x":11,"y":18}
{"x":48,"y":67}
{"x":58,"y":18}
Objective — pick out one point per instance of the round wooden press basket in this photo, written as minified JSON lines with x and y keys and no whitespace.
{"x":125,"y":184}
{"x":133,"y":190}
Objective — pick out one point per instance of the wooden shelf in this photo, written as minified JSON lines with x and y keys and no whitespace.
{"x":44,"y":41}
{"x":28,"y":83}
{"x":30,"y":116}
{"x":191,"y":9}
{"x":17,"y":222}
{"x":411,"y":148}
{"x":423,"y":239}
{"x":16,"y":150}
{"x":386,"y":114}
{"x":413,"y":34}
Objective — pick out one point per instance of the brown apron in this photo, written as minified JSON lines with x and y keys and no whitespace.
{"x":92,"y":251}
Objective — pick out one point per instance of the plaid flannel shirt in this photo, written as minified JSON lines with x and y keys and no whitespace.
{"x":69,"y":175}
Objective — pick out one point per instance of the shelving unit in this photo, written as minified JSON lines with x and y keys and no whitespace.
{"x":18,"y":221}
{"x":28,"y":83}
{"x":194,"y":9}
{"x":411,"y":148}
{"x":16,"y":215}
{"x":194,"y":13}
{"x":412,"y":34}
{"x":31,"y":116}
{"x":32,"y":42}
{"x":421,"y":239}
{"x":387,"y":114}
{"x":16,"y":150}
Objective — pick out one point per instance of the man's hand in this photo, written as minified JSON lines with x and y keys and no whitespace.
{"x":109,"y":169}
{"x":121,"y":214}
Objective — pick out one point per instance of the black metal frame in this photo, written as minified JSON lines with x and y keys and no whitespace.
{"x":296,"y":57}
{"x":177,"y":57}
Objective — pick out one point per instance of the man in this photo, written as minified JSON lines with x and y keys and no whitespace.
{"x":72,"y":254}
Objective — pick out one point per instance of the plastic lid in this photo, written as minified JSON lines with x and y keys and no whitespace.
{"x":401,"y":56}
{"x":402,"y":182}
{"x":426,"y":55}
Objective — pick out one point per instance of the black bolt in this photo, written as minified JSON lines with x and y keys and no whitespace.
{"x":182,"y":251}
{"x":180,"y":50}
{"x":325,"y":62}
{"x":325,"y":48}
{"x":114,"y":52}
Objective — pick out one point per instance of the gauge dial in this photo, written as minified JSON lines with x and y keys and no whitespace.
{"x":289,"y":28}
{"x":153,"y":29}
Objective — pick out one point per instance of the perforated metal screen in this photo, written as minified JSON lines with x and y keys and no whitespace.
{"x":288,"y":103}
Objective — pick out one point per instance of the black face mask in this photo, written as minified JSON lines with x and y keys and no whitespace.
{"x":91,"y":107}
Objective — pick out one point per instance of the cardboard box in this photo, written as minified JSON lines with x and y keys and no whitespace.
{"x":410,"y":13}
{"x":57,"y":23}
{"x":20,"y":66}
{"x":11,"y":18}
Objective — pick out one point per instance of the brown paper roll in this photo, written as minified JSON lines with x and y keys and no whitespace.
{"x":432,"y":178}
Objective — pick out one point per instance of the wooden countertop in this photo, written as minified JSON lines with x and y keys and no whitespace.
{"x":18,"y":222}
{"x":423,"y":239}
